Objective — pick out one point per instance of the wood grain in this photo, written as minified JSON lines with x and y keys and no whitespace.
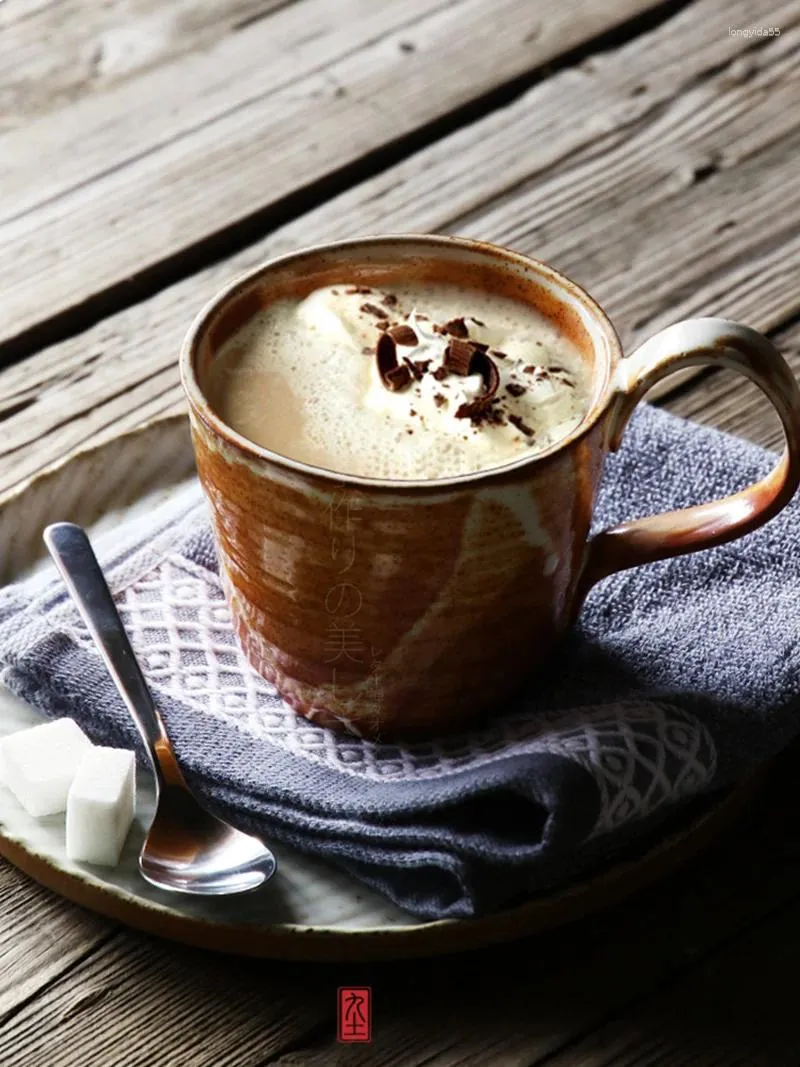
{"x":41,"y":937}
{"x":627,"y":216}
{"x":151,"y":180}
{"x":65,"y":51}
{"x":138,"y":1001}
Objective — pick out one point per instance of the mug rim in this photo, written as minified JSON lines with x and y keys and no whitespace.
{"x":199,"y":404}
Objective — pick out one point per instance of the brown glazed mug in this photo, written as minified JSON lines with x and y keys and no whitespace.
{"x":396,"y":608}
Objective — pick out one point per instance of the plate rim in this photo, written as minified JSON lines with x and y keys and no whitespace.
{"x":292,"y":941}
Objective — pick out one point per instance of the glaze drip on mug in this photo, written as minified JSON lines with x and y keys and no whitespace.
{"x":304,"y":379}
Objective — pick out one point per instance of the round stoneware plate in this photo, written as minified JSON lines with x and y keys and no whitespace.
{"x":308,"y":910}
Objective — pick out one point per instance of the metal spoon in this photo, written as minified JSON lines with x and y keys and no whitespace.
{"x":187,"y":849}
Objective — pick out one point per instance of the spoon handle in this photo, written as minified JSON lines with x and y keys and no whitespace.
{"x":73,"y":555}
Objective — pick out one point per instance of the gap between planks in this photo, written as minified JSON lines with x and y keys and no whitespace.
{"x":165,"y":191}
{"x":627,"y":218}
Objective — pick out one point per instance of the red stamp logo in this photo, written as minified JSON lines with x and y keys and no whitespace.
{"x":355,"y":1014}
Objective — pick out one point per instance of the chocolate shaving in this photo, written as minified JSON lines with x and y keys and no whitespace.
{"x":397,"y":378}
{"x":390,"y":300}
{"x":415,"y":369}
{"x":498,"y":354}
{"x":440,"y":373}
{"x":491,"y":380}
{"x":373,"y":309}
{"x":393,"y":375}
{"x":530,"y":369}
{"x":439,"y":400}
{"x":422,"y":364}
{"x":476,"y":321}
{"x":456,"y":328}
{"x":403,"y":334}
{"x":489,"y":372}
{"x":557,"y":369}
{"x":479,"y":413}
{"x":523,"y":427}
{"x":466,"y":410}
{"x":492,"y":415}
{"x":515,"y":389}
{"x":362,"y":290}
{"x":479,"y":364}
{"x":458,"y":356}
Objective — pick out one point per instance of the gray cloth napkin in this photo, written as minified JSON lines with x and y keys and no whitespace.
{"x":678,"y":680}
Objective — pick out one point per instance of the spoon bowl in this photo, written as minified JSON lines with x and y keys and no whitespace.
{"x":187,"y":849}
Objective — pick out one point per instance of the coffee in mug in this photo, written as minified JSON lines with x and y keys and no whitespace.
{"x":473,"y":380}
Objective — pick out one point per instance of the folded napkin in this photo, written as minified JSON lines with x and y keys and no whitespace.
{"x":678,"y":680}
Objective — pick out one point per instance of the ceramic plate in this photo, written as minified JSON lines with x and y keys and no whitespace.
{"x":308,"y":910}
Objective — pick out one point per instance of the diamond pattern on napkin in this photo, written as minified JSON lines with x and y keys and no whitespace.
{"x":180,"y":628}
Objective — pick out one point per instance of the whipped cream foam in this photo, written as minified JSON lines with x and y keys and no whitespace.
{"x":303,"y":379}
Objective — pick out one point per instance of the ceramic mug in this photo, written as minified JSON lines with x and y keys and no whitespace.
{"x":396,"y":608}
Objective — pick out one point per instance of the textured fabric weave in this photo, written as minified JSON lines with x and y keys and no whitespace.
{"x":679,"y":679}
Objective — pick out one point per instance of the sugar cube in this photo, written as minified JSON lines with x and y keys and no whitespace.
{"x":100,"y":806}
{"x":39,"y":764}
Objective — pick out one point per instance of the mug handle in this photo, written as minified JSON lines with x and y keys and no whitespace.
{"x":693,"y":342}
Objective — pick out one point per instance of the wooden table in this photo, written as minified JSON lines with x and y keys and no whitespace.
{"x":150,"y":150}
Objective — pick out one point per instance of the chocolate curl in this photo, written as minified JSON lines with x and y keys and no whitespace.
{"x":458,"y":356}
{"x":487,"y":368}
{"x":403,"y":334}
{"x":394,"y":376}
{"x":455,"y":327}
{"x":481,"y":364}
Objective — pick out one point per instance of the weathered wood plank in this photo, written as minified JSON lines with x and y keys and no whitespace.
{"x":130,"y":121}
{"x":628,"y":218}
{"x":41,"y":936}
{"x":59,"y":52}
{"x":139,"y":1001}
{"x":238,"y":136}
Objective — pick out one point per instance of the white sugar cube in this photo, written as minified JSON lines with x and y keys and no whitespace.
{"x":100,"y":806}
{"x":39,"y":764}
